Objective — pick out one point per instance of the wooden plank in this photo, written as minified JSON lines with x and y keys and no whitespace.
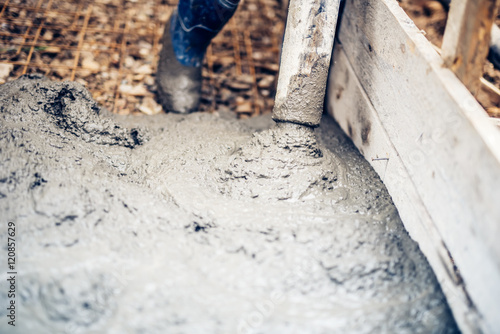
{"x":494,"y":54}
{"x":488,"y":94}
{"x":448,"y":149}
{"x":349,"y":105}
{"x":466,"y":40}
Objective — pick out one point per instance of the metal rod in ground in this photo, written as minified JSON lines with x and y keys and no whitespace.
{"x":305,"y":60}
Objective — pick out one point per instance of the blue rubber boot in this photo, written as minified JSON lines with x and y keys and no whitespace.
{"x":185,"y":40}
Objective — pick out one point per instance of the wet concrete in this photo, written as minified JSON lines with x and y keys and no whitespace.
{"x":199,"y":223}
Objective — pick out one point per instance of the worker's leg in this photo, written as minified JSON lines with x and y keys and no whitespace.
{"x":185,"y":40}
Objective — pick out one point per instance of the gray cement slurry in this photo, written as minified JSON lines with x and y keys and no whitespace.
{"x":199,"y":224}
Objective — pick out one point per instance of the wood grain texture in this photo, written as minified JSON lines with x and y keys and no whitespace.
{"x":466,"y":40}
{"x":444,"y":159}
{"x":487,"y":94}
{"x":350,"y":106}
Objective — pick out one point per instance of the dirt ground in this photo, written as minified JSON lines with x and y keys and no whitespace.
{"x":111,"y":47}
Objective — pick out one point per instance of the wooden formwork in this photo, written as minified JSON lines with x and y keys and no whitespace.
{"x":432,"y":144}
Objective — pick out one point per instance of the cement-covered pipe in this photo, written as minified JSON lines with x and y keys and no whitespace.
{"x":305,"y":60}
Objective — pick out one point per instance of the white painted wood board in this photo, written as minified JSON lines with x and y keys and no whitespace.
{"x":443,"y":170}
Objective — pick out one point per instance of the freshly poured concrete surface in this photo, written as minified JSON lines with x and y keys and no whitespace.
{"x":199,"y":224}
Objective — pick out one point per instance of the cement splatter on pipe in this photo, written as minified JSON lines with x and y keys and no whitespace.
{"x":305,"y":59}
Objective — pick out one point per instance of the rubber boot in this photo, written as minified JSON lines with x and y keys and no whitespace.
{"x":185,"y":40}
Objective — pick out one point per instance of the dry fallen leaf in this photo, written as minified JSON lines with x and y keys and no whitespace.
{"x":149,"y":106}
{"x":91,"y":65}
{"x":138,"y":90}
{"x":245,"y":108}
{"x":5,"y":70}
{"x":266,"y":82}
{"x":144,"y":69}
{"x":235,"y":85}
